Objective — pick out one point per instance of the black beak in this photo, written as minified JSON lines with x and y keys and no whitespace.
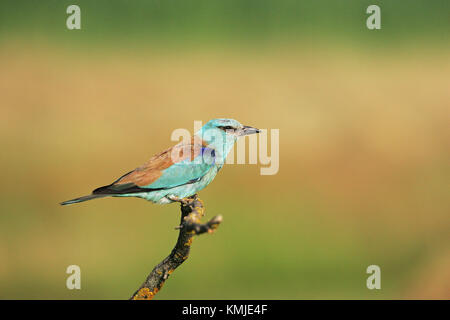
{"x":248,"y":130}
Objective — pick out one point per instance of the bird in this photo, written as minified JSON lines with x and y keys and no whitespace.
{"x":180,"y":171}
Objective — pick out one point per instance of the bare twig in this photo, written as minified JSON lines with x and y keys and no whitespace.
{"x":190,"y":225}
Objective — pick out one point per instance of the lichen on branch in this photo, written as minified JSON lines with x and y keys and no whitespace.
{"x":192,"y":209}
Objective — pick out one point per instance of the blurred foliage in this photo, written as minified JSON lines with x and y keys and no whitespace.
{"x":363,"y":146}
{"x":254,"y":22}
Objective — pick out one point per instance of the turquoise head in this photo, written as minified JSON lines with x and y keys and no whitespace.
{"x":221,"y":134}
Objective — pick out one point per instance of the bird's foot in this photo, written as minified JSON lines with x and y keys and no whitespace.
{"x":183,"y":201}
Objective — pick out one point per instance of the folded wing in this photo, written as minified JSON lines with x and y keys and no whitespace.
{"x":176,"y":166}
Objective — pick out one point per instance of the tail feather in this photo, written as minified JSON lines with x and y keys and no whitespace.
{"x":85,"y":198}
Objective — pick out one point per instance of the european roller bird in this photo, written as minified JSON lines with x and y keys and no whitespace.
{"x":178,"y":172}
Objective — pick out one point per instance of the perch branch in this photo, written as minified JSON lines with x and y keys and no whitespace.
{"x":191,"y":212}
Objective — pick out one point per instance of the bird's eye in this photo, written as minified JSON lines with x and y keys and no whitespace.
{"x":227,"y":128}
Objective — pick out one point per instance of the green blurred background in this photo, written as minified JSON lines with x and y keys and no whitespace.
{"x":364,"y":146}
